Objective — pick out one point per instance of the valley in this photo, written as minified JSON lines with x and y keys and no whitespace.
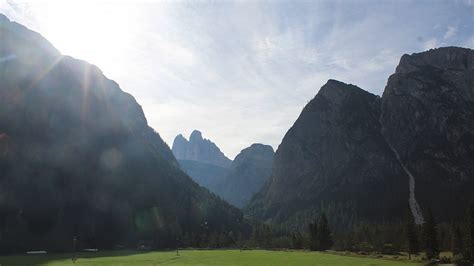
{"x":361,"y":176}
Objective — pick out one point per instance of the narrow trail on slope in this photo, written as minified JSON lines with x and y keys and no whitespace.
{"x":414,"y":206}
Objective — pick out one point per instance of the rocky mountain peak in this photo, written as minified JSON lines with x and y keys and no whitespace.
{"x":453,"y":58}
{"x":427,"y":117}
{"x":258,"y":147}
{"x":180,"y":140}
{"x":196,"y":135}
{"x":255,"y":150}
{"x":332,"y":155}
{"x":199,"y":149}
{"x":337,"y":92}
{"x":412,"y":148}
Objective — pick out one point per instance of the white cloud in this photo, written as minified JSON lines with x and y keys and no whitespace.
{"x":430,"y":44}
{"x":450,"y":32}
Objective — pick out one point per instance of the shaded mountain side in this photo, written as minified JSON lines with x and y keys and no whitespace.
{"x":249,"y":171}
{"x":77,"y":158}
{"x":358,"y":157}
{"x":237,"y":184}
{"x":335,"y":159}
{"x":206,"y":175}
{"x":201,"y":159}
{"x":428,"y":117}
{"x":200,"y":150}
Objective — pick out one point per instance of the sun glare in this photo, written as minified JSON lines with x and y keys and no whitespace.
{"x":97,"y":32}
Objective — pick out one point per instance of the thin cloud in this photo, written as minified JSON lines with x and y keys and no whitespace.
{"x":241,"y":72}
{"x":430,"y":44}
{"x":450,"y":32}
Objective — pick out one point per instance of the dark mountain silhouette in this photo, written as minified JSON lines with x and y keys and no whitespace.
{"x":334,"y":158}
{"x":77,"y":158}
{"x":357,"y":156}
{"x":428,"y":118}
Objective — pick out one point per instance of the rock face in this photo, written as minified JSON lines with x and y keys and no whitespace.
{"x":249,"y":171}
{"x":77,"y":158}
{"x":200,"y":150}
{"x":334,"y":158}
{"x":4,"y":144}
{"x":428,"y":118}
{"x":357,"y":156}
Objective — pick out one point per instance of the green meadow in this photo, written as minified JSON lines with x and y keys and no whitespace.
{"x":199,"y":257}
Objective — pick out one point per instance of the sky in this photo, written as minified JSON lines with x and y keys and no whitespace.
{"x":242,"y":71}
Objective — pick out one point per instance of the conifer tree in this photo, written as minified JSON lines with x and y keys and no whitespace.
{"x":457,"y":240}
{"x":411,"y":236}
{"x":430,"y":236}
{"x":313,"y":236}
{"x":470,"y":233}
{"x":297,"y":240}
{"x":324,"y":233}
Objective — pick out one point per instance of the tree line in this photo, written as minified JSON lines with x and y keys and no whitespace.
{"x":366,"y":237}
{"x":461,"y":236}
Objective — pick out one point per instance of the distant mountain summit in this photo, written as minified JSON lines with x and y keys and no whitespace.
{"x":200,"y":150}
{"x":235,"y":181}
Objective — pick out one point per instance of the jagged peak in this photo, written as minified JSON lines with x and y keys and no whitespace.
{"x":196,"y":135}
{"x":199,"y":149}
{"x":333,"y":84}
{"x":180,"y":138}
{"x":444,"y":57}
{"x":336,"y":91}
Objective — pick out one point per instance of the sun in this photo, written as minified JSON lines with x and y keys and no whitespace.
{"x":96,"y":31}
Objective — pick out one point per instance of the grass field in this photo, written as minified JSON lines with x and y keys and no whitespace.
{"x":198,"y":257}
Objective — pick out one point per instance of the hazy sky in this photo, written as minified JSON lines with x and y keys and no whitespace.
{"x":242,"y":71}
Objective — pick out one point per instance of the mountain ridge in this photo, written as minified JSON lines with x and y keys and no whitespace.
{"x":79,"y":159}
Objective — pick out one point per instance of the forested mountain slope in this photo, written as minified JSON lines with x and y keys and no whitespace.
{"x":77,"y":158}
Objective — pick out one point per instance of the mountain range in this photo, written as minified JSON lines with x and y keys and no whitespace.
{"x":235,"y":181}
{"x":78,"y":158}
